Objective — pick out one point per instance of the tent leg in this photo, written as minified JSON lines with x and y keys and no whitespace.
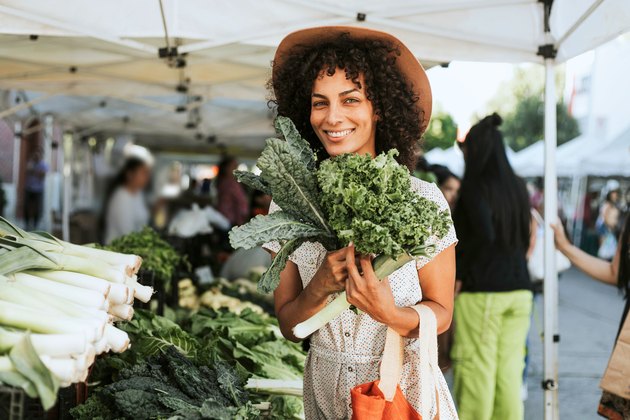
{"x":551,"y":336}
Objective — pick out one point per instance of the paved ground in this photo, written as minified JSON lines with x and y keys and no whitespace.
{"x":589,"y":317}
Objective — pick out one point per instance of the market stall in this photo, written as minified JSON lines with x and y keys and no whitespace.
{"x":185,"y":76}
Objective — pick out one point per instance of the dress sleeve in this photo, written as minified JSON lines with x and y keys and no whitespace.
{"x":433,"y":193}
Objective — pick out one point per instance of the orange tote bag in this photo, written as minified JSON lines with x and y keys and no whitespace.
{"x":383,"y":399}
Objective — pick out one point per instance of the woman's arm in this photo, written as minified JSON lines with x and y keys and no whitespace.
{"x":294,"y":304}
{"x":437,"y":279}
{"x":375,"y":297}
{"x":533,"y":230}
{"x":597,"y":268}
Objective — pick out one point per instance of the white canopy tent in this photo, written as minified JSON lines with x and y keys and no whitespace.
{"x":453,"y":158}
{"x":570,"y":156}
{"x":88,"y":50}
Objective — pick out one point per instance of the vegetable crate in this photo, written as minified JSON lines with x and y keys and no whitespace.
{"x":16,"y":405}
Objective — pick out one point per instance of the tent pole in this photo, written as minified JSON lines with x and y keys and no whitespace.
{"x":551,"y":336}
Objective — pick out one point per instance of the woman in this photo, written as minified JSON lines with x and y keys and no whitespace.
{"x":492,"y":312}
{"x":125,"y":208}
{"x":231,"y":198}
{"x":608,"y":221}
{"x":616,"y":273}
{"x":449,"y":184}
{"x":354,"y":90}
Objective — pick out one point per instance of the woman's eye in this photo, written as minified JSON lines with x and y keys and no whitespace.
{"x":319,"y":104}
{"x":351,"y":100}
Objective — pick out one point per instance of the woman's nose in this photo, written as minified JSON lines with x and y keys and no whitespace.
{"x":334,"y":116}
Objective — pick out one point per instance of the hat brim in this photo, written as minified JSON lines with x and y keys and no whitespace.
{"x":406,"y":62}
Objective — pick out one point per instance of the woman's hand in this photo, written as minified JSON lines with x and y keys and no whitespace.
{"x":560,"y":237}
{"x":332,"y":274}
{"x":365,"y":291}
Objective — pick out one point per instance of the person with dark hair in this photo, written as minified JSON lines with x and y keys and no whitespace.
{"x":36,"y":169}
{"x":355,"y":90}
{"x":607,"y":224}
{"x":492,"y":311}
{"x":448,"y":182}
{"x":231,"y":198}
{"x":615,"y":272}
{"x":125,"y":208}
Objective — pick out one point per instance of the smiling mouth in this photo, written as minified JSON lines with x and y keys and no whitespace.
{"x":336,"y":135}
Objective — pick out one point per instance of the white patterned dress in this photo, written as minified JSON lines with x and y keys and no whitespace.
{"x":346,"y":352}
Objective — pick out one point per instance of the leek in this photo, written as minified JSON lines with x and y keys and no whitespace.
{"x":76,"y":279}
{"x":74,"y":294}
{"x":383,"y":267}
{"x":42,"y":321}
{"x":276,"y":386}
{"x":54,"y":345}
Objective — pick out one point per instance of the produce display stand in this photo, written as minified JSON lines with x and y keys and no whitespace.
{"x":16,"y":405}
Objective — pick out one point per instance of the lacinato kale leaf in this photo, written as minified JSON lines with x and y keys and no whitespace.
{"x":278,"y":226}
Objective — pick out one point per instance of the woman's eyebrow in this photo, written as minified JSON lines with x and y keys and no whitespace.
{"x":347,"y":92}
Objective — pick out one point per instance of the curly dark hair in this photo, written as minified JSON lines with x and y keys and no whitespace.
{"x":392,"y":97}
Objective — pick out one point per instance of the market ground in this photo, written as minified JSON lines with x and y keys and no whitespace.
{"x":589,"y":317}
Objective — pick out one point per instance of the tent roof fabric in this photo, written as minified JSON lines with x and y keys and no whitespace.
{"x":88,"y":50}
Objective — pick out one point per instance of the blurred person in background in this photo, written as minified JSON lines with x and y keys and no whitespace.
{"x":231,"y":197}
{"x":36,"y":170}
{"x":607,"y":223}
{"x":260,"y":203}
{"x":492,"y":311}
{"x":125,"y":207}
{"x":449,"y":184}
{"x":3,"y":199}
{"x":616,"y":273}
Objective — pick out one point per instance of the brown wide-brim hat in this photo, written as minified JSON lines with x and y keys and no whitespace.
{"x":406,"y":62}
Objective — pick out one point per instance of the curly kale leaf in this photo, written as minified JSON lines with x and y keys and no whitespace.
{"x":369,"y":201}
{"x":278,"y":226}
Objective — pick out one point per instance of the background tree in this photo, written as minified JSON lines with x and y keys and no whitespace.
{"x":441,"y":133}
{"x":521,"y":104}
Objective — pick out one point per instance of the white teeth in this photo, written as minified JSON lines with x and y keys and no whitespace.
{"x":339,"y":133}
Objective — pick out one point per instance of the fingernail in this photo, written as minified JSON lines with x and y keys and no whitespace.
{"x":351,"y":243}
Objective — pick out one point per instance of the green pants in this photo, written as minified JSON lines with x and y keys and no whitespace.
{"x":489,"y":354}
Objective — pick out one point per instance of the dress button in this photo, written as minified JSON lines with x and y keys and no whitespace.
{"x":350,"y":369}
{"x":347,"y":334}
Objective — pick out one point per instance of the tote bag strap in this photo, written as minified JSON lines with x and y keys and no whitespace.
{"x":392,"y":361}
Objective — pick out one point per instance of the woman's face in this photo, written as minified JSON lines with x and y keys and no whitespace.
{"x":139,"y":178}
{"x":342,"y":116}
{"x":450,"y":189}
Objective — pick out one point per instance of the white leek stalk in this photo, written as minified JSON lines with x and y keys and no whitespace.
{"x":383,"y":267}
{"x":101,"y":346}
{"x":122,"y":311}
{"x":119,"y":294}
{"x":118,"y":340}
{"x":64,"y":369}
{"x":75,"y":279}
{"x":132,"y":262}
{"x":42,"y":321}
{"x":33,"y":298}
{"x":53,"y":345}
{"x":140,"y":292}
{"x":276,"y":386}
{"x":78,"y":295}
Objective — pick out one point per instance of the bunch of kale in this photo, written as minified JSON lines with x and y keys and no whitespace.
{"x":348,"y":198}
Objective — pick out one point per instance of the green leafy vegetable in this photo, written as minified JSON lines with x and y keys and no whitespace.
{"x":158,"y":256}
{"x":369,"y":201}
